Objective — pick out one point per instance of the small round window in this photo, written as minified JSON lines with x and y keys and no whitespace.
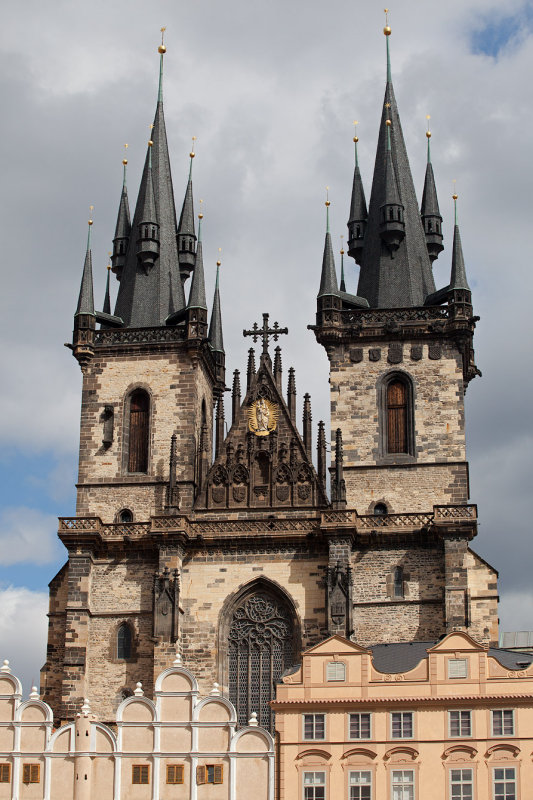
{"x":380,"y":509}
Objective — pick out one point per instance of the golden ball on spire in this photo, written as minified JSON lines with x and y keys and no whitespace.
{"x":218,"y":263}
{"x":150,"y":143}
{"x":162,"y":49}
{"x":387,"y":30}
{"x":108,"y":267}
{"x":124,"y":161}
{"x":342,"y":252}
{"x":388,"y":123}
{"x":454,"y":196}
{"x":90,"y":222}
{"x":327,"y":203}
{"x":191,"y":154}
{"x":356,"y":139}
{"x":200,"y":216}
{"x":428,"y":134}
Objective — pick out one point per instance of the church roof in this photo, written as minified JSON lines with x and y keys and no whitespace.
{"x":146,"y":298}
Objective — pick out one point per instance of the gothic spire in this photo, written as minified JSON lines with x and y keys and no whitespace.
{"x":429,"y":210}
{"x":328,"y":278}
{"x":86,"y":296}
{"x":107,"y":297}
{"x":186,"y":233}
{"x":343,"y":282}
{"x":148,"y":226}
{"x":197,"y":294}
{"x":215,"y":326}
{"x":147,"y":297}
{"x":358,"y":212}
{"x":458,"y":277}
{"x":122,"y":228}
{"x":393,"y":276}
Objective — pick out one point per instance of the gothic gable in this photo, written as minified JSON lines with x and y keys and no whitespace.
{"x":263,"y":462}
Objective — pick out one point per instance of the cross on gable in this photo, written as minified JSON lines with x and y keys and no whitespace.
{"x":265,"y":332}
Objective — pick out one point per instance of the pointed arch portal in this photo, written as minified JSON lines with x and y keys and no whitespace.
{"x":260,"y":648}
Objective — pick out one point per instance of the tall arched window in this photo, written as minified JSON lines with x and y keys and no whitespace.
{"x":124,"y":641}
{"x":260,"y":648}
{"x":397,"y":417}
{"x":139,"y":431}
{"x":398,"y":582}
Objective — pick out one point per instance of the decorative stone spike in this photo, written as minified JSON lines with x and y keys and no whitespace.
{"x":307,"y":425}
{"x":5,"y":666}
{"x":250,"y":372}
{"x":338,"y":487}
{"x":321,"y":453}
{"x":291,"y":395}
{"x":177,"y":661}
{"x":34,"y":694}
{"x":138,"y":689}
{"x":277,"y":367}
{"x":219,"y":425}
{"x":252,"y":722}
{"x":215,"y":691}
{"x":235,"y":396}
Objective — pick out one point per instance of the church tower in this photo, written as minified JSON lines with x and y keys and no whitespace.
{"x":401,"y":358}
{"x":217,"y":538}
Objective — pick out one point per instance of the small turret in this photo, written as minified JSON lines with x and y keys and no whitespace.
{"x":106,"y":308}
{"x":458,"y":281}
{"x":307,"y":426}
{"x":235,"y":396}
{"x":291,"y":394}
{"x":358,"y":213}
{"x":328,"y":299}
{"x":343,"y":282}
{"x":122,"y":229}
{"x":277,"y":367}
{"x":197,"y":307}
{"x":338,"y":484}
{"x":186,"y":233}
{"x":84,"y":317}
{"x":148,"y":227}
{"x":250,"y":370}
{"x":219,"y":425}
{"x":391,"y":224}
{"x":430,"y":213}
{"x":215,"y":332}
{"x":321,"y":454}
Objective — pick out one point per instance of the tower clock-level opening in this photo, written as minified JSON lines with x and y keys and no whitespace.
{"x":261,"y":645}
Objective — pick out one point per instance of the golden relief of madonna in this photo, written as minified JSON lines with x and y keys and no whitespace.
{"x":262,"y":417}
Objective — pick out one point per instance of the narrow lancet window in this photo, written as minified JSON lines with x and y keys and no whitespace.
{"x":124,"y":641}
{"x":139,"y":430}
{"x":397,"y":417}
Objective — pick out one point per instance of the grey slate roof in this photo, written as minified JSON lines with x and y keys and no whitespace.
{"x":215,"y":326}
{"x":86,"y":296}
{"x":123,"y":226}
{"x":107,"y":298}
{"x":403,"y":656}
{"x":186,"y":223}
{"x":458,"y":278}
{"x":145,"y":300}
{"x":406,"y":279}
{"x":328,"y":278}
{"x":197,"y":294}
{"x":358,"y":209}
{"x":430,"y":203}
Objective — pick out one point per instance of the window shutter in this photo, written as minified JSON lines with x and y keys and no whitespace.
{"x":179,"y":774}
{"x":34,"y":773}
{"x":200,"y":775}
{"x":396,"y":417}
{"x":26,"y":773}
{"x":5,"y":773}
{"x":135,"y":774}
{"x":219,"y":773}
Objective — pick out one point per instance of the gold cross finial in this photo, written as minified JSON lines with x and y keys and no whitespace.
{"x":125,"y":160}
{"x":191,"y":154}
{"x":91,"y":209}
{"x":200,"y":215}
{"x":219,"y":252}
{"x":162,"y":49}
{"x":327,"y":196}
{"x":355,"y":136}
{"x":386,"y":29}
{"x":428,"y":132}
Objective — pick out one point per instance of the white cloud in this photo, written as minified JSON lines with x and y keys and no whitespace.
{"x":27,"y":535}
{"x":23,"y":630}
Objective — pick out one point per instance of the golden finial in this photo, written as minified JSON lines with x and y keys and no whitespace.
{"x":387,"y":28}
{"x":219,"y":252}
{"x":109,"y":260}
{"x":428,"y":132}
{"x":388,"y":123}
{"x":162,"y":49}
{"x":200,"y":215}
{"x":91,"y":209}
{"x":191,"y":154}
{"x":150,"y":142}
{"x":342,"y":245}
{"x":387,"y":105}
{"x":125,"y":160}
{"x":327,"y":197}
{"x":454,"y":195}
{"x":355,"y":137}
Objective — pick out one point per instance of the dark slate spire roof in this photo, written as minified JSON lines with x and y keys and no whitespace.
{"x":358,"y":211}
{"x":430,"y":203}
{"x":186,"y":232}
{"x":123,"y":226}
{"x":328,"y":278}
{"x":197,"y":295}
{"x":406,"y":278}
{"x":107,"y":298}
{"x":215,"y":326}
{"x":458,"y":278}
{"x":86,"y":296}
{"x":145,"y":299}
{"x":343,"y":282}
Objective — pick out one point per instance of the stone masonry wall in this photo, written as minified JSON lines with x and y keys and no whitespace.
{"x":438,"y":403}
{"x":482,"y":598}
{"x":177,"y":387}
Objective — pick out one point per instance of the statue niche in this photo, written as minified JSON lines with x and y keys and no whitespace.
{"x":166,"y":605}
{"x":339,"y":600}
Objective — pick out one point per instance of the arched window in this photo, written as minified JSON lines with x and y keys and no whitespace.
{"x":398,"y":582}
{"x":260,"y":649}
{"x":124,"y":641}
{"x":139,"y":431}
{"x":125,"y":515}
{"x":380,"y":510}
{"x":397,"y":417}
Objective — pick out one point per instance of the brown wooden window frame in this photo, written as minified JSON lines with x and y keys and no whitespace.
{"x":137,"y":433}
{"x":31,"y":773}
{"x":140,"y":774}
{"x":397,"y":439}
{"x":5,"y":773}
{"x":209,"y":773}
{"x":175,"y":773}
{"x":124,"y":647}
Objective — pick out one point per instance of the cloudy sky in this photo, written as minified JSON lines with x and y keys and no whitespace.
{"x":270,"y":90}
